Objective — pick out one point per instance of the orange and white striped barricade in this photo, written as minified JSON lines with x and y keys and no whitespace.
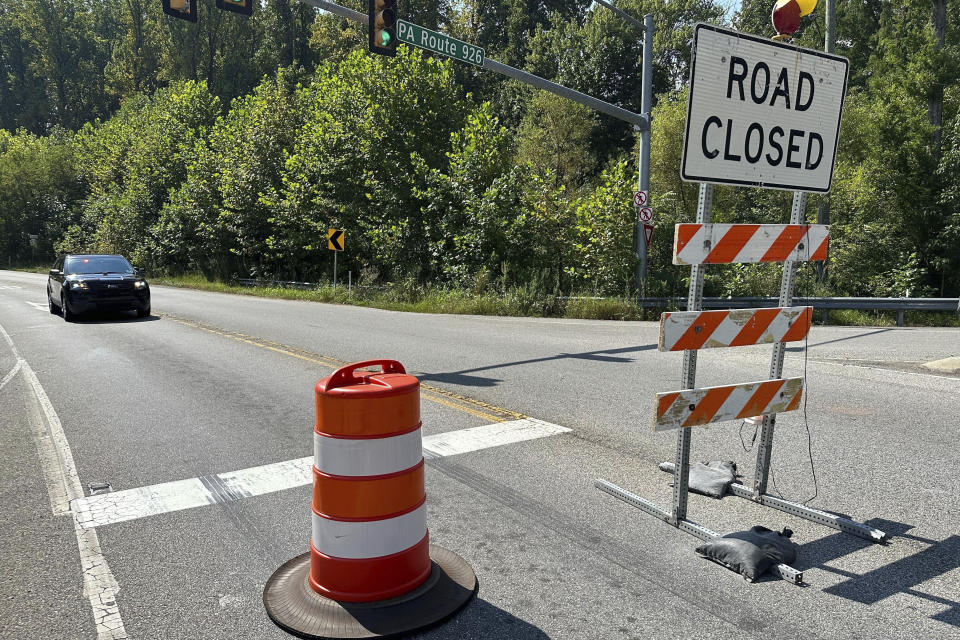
{"x":685,"y":331}
{"x":371,"y":570}
{"x":698,"y":245}
{"x":745,"y":243}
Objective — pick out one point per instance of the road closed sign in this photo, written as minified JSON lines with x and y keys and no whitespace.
{"x":762,"y":113}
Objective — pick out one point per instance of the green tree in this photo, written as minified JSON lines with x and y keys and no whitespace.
{"x":555,"y":137}
{"x":39,"y":189}
{"x":133,"y":161}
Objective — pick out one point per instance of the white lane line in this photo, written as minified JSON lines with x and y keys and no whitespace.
{"x":131,"y":504}
{"x":9,"y":286}
{"x":38,"y":306}
{"x":491,"y":435}
{"x":63,"y":485}
{"x":7,"y":378}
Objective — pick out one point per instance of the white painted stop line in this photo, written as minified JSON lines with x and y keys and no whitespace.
{"x":131,"y":504}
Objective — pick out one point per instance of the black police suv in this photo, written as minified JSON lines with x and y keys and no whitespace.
{"x":81,"y":283}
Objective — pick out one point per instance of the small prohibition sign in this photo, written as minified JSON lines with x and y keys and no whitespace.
{"x":645,"y":214}
{"x":640,"y":198}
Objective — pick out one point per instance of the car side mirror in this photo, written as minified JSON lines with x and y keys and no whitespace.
{"x":54,"y":272}
{"x":140,"y":271}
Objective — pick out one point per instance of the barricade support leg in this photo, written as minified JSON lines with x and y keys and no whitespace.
{"x":825,"y":518}
{"x":784,"y":571}
{"x":813,"y":515}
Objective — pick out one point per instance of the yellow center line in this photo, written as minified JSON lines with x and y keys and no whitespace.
{"x":429,"y":392}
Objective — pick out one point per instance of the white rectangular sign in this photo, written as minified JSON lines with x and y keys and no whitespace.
{"x":762,"y":113}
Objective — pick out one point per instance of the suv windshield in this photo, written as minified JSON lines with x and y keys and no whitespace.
{"x":97,"y":264}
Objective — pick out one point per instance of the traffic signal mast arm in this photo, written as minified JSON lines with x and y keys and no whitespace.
{"x":641,"y":122}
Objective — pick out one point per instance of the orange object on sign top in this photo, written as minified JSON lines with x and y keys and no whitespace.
{"x":786,"y":17}
{"x":787,"y":13}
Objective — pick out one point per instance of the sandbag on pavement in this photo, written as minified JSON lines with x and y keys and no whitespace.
{"x":751,"y":553}
{"x":711,"y":478}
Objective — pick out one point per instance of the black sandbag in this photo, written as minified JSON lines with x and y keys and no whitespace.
{"x":751,"y":553}
{"x":708,"y":478}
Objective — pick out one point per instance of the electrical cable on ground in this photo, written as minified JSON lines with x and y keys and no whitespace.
{"x":806,"y":425}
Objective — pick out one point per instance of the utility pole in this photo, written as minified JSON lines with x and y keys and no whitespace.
{"x":829,"y":42}
{"x":646,"y":106}
{"x":643,"y":180}
{"x":830,"y":39}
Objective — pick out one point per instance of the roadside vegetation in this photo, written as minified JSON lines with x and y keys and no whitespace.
{"x":227,"y":149}
{"x":518,"y":302}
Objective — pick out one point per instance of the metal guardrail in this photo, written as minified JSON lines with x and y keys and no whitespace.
{"x":824,"y":305}
{"x":900,"y":305}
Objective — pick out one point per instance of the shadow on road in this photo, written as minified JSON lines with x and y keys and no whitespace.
{"x":463,"y":378}
{"x":112,"y":317}
{"x":480,"y":619}
{"x":853,"y":337}
{"x":901,"y":576}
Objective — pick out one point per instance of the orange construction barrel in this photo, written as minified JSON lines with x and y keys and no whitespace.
{"x":370,"y":539}
{"x":369,"y":544}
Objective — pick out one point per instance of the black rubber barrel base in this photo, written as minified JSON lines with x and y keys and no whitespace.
{"x":301,"y":611}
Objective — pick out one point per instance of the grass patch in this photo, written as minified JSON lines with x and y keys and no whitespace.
{"x":931,"y":319}
{"x":402,"y":296}
{"x":34,"y":269}
{"x":602,"y":309}
{"x":856,"y":318}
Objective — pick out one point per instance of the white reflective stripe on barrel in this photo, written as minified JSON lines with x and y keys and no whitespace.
{"x":366,"y":456}
{"x":371,"y":539}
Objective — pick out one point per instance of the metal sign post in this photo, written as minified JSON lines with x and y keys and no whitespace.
{"x":335,"y":243}
{"x":688,"y":377}
{"x":779,"y":350}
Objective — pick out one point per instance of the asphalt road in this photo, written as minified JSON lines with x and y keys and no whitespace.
{"x":215,"y":383}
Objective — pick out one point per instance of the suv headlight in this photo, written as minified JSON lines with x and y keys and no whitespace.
{"x":78,"y":285}
{"x":140,"y":284}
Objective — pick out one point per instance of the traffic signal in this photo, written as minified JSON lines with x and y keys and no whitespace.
{"x":239,"y":6}
{"x":381,"y":26}
{"x":183,"y":9}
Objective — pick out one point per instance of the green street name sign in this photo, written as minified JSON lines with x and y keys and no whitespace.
{"x":438,"y":43}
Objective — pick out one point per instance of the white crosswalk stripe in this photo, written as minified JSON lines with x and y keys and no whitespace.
{"x":131,"y":504}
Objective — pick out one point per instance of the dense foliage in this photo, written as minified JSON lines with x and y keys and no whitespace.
{"x":229,"y":147}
